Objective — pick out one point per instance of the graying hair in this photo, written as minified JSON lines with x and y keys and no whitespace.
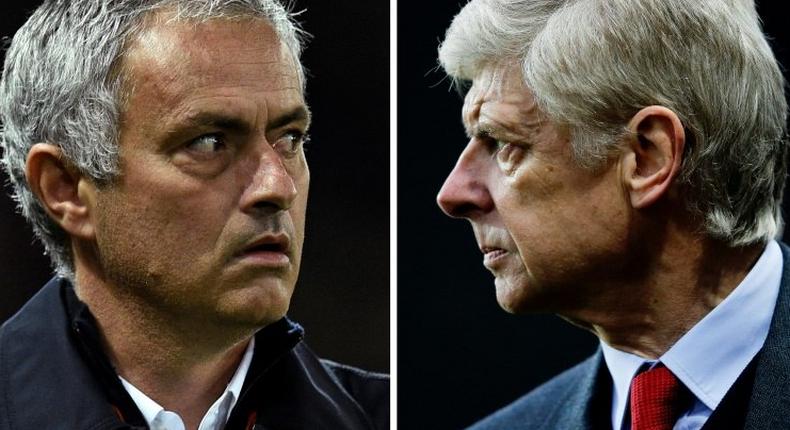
{"x":62,"y":84}
{"x":592,"y":64}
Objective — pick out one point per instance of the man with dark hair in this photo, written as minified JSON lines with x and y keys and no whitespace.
{"x":625,"y":169}
{"x":157,"y":150}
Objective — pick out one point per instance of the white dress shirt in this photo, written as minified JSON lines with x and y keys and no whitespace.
{"x":217,"y":415}
{"x":709,"y":358}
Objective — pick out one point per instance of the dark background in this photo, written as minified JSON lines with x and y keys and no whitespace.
{"x":460,"y":356}
{"x":342,"y":297}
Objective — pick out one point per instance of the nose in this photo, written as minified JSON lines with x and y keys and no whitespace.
{"x":272,"y":186}
{"x":464,"y":193}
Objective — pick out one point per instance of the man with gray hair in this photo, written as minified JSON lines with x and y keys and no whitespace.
{"x":625,"y":169}
{"x":156,"y":147}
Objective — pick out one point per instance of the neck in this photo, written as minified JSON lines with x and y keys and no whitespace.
{"x":182,"y":365}
{"x":646,"y":313}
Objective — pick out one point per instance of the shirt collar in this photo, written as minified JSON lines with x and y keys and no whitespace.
{"x":153,"y":412}
{"x":235,"y":384}
{"x":709,"y":358}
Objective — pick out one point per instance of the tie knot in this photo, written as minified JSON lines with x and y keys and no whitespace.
{"x":657,"y":399}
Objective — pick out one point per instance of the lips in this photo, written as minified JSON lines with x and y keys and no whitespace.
{"x":271,"y":250}
{"x":492,"y":256}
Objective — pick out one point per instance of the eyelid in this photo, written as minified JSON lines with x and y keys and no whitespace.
{"x":494,"y":143}
{"x":298,"y":138}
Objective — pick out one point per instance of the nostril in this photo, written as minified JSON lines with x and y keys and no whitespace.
{"x":460,"y":210}
{"x":450,"y":204}
{"x":268,"y":206}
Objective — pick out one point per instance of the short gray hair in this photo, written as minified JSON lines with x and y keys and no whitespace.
{"x":62,"y":84}
{"x":593,"y":64}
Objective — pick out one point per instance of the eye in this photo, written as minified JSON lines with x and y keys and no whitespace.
{"x":206,"y":155}
{"x":291,"y":143}
{"x":207,"y":144}
{"x":496,"y":146}
{"x":508,"y":155}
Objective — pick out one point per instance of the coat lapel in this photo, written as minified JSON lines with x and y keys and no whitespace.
{"x":587,"y":404}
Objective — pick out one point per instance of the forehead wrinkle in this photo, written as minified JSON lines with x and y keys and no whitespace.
{"x":192,"y":111}
{"x":515,"y":113}
{"x":499,"y":100}
{"x":249,"y":74}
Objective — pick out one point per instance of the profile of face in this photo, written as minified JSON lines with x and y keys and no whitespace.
{"x":207,"y":216}
{"x":545,"y":225}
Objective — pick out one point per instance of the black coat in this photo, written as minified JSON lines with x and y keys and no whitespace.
{"x":54,"y":375}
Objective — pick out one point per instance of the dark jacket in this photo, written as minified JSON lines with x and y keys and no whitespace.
{"x":54,"y":375}
{"x":580,"y":398}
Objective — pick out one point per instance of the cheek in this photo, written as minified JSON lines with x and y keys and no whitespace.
{"x":301,"y":178}
{"x":532,"y":202}
{"x":166,"y":226}
{"x":298,"y":211}
{"x":565,"y":229}
{"x":188,"y":214}
{"x":303,"y":184}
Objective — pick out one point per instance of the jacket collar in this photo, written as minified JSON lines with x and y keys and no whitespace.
{"x":46,"y":381}
{"x":88,"y":342}
{"x":771,"y":393}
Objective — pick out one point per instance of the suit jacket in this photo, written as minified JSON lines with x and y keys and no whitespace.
{"x":54,"y":375}
{"x":580,"y":398}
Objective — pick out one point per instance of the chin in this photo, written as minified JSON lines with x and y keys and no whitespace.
{"x":256,"y":306}
{"x":520,"y":297}
{"x":510,"y":297}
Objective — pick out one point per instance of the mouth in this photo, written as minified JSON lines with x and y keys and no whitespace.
{"x":492,"y":256}
{"x":272,"y":250}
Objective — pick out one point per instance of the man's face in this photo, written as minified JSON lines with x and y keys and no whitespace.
{"x":545,"y":226}
{"x":207,"y":216}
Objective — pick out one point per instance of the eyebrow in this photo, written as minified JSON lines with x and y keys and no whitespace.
{"x":217,"y":120}
{"x":298,"y":114}
{"x":235,"y":124}
{"x":504,"y":129}
{"x":483,"y":131}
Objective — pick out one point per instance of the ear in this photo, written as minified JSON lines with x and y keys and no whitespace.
{"x":653,"y":156}
{"x":66,"y":195}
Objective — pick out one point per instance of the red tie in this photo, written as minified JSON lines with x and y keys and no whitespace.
{"x":657,"y":399}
